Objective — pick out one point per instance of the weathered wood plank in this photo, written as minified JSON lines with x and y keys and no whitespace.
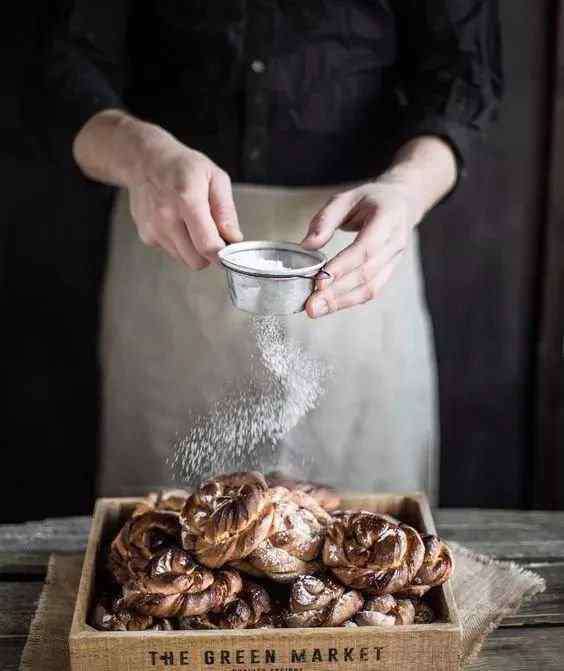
{"x":545,"y":608}
{"x":480,"y":517}
{"x":29,"y":564}
{"x":526,"y":535}
{"x":18,"y":602}
{"x":52,"y":535}
{"x":522,"y":649}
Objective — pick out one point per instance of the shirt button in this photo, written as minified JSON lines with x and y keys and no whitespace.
{"x":258,"y":67}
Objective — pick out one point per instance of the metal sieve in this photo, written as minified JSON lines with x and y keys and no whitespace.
{"x":282,"y":291}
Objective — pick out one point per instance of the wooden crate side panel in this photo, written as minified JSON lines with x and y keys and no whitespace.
{"x":316,"y":650}
{"x":88,"y":576}
{"x":398,"y":505}
{"x":109,"y":513}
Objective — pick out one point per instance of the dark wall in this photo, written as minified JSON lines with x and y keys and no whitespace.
{"x":480,"y":257}
{"x":50,"y":282}
{"x":52,"y":250}
{"x":481,"y":254}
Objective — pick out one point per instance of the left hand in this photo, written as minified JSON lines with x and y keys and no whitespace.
{"x":384,"y":213}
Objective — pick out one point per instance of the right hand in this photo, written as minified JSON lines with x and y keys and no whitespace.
{"x":181,"y":201}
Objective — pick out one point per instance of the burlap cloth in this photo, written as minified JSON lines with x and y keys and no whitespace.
{"x":485,"y":590}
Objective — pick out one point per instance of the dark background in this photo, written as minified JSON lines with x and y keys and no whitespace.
{"x":493,"y":259}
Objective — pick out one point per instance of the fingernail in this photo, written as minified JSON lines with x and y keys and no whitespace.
{"x":319,"y":307}
{"x":323,"y":283}
{"x":233,"y":233}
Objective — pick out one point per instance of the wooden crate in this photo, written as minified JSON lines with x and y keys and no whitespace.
{"x":428,"y":647}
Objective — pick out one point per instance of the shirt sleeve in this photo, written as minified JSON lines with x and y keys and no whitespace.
{"x":81,"y":71}
{"x":450,"y":69}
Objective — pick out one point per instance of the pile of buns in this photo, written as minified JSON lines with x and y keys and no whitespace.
{"x":251,"y":551}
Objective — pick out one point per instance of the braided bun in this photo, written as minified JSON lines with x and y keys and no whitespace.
{"x":139,"y":539}
{"x":370,"y":552}
{"x":320,"y":601}
{"x":175,"y":586}
{"x":227,"y":518}
{"x":436,"y":568}
{"x":385,"y":611}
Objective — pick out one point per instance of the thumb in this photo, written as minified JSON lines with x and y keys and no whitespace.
{"x":324,"y":224}
{"x":222,"y":207}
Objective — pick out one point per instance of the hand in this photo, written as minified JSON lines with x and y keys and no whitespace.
{"x":182,"y":202}
{"x":384,"y":213}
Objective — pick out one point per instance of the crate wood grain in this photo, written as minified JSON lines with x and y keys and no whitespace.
{"x":428,"y":647}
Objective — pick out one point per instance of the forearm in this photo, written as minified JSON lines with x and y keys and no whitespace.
{"x":108,"y":148}
{"x":427,"y":166}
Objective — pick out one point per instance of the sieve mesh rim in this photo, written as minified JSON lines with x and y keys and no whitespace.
{"x":257,"y":245}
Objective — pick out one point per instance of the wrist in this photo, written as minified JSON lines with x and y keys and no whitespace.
{"x":134,"y":142}
{"x":406,"y":178}
{"x":427,"y":168}
{"x":112,"y":147}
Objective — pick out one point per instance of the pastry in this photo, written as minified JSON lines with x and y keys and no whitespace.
{"x":437,"y":567}
{"x":327,"y":497}
{"x":385,"y":611}
{"x":143,"y":535}
{"x":227,"y":518}
{"x":175,"y":585}
{"x":172,"y":500}
{"x":110,"y":617}
{"x":248,"y":610}
{"x":424,"y":614}
{"x":320,"y":601}
{"x":264,"y":531}
{"x":294,"y":542}
{"x":370,"y":552}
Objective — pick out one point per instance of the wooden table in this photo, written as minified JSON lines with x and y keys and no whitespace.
{"x":531,"y":639}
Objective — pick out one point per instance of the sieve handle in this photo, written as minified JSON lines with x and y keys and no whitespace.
{"x":321,"y":275}
{"x":324,"y":272}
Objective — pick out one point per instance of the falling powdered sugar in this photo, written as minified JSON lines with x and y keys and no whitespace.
{"x":284,"y":384}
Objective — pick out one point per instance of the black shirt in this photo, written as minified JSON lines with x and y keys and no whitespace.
{"x":292,"y":92}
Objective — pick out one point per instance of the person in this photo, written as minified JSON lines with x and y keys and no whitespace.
{"x":337,"y":124}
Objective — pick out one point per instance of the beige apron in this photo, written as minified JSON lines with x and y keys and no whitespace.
{"x":171,"y":341}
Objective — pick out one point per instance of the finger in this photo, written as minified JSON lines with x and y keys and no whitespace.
{"x":318,"y":305}
{"x":150,"y":237}
{"x":196,"y":214}
{"x":329,"y":218}
{"x":365,"y":272}
{"x":170,"y":248}
{"x":185,"y":248}
{"x":356,"y":221}
{"x":361,"y":275}
{"x":165,"y":215}
{"x":222,"y":207}
{"x":377,"y":233}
